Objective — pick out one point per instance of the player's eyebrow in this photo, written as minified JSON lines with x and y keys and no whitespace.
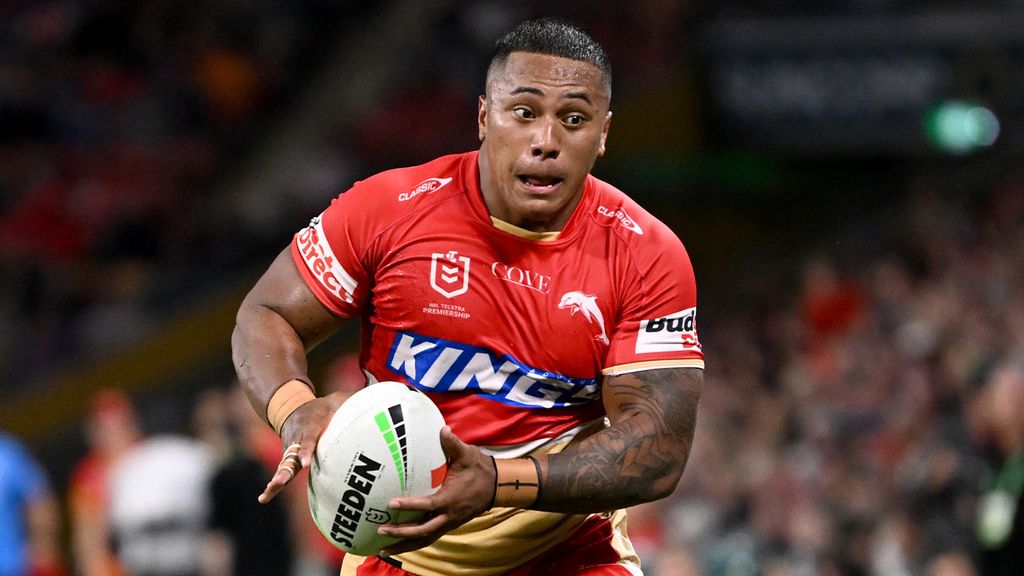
{"x":531,"y":90}
{"x":579,"y":96}
{"x":527,"y":90}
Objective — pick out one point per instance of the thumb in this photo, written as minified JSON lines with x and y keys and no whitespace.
{"x":451,"y":444}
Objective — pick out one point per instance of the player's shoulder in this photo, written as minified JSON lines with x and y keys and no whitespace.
{"x":625,"y":218}
{"x":400,"y":189}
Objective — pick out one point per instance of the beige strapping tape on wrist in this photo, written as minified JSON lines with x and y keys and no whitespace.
{"x":287,"y":399}
{"x":517,"y":483}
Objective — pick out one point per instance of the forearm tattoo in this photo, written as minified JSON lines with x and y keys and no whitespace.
{"x":640,"y":457}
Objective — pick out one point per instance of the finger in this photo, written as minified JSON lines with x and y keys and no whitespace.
{"x":424,"y":503}
{"x":290,"y":465}
{"x":279,"y":481}
{"x":452,"y":446}
{"x":305,"y":453}
{"x":423,"y":530}
{"x":433,"y":529}
{"x":303,"y":449}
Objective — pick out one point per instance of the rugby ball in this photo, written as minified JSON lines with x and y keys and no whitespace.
{"x":383,"y":442}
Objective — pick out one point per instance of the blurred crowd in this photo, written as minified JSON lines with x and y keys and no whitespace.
{"x":870,"y":420}
{"x":862,"y":413}
{"x":117,"y":119}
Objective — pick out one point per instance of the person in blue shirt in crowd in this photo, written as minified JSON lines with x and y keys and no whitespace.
{"x":29,"y":516}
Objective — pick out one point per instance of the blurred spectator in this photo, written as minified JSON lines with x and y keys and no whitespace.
{"x":998,"y":414}
{"x":111,"y":430}
{"x":950,"y":564}
{"x":248,"y":538}
{"x":831,"y":304}
{"x":160,"y":506}
{"x":29,"y":515}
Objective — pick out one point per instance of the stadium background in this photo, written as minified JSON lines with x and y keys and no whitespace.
{"x":844,"y":174}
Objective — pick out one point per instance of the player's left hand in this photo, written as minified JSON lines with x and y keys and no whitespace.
{"x":468,"y":490}
{"x":299,"y":435}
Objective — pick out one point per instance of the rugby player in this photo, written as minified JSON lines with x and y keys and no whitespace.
{"x":549,"y":317}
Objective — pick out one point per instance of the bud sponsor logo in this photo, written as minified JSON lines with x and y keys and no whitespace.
{"x":437,"y":365}
{"x":521,"y":277}
{"x":320,"y":260}
{"x":449,"y":273}
{"x":428,"y":185}
{"x":673,"y":333}
{"x":585,"y":304}
{"x":622,"y":217}
{"x":363,"y":474}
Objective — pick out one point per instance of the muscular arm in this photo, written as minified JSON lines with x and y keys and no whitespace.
{"x":277,"y":323}
{"x":640,"y":457}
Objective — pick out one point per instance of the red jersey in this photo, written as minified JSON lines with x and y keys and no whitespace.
{"x":509,"y":332}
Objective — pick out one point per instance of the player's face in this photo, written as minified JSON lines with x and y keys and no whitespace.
{"x":543,"y":123}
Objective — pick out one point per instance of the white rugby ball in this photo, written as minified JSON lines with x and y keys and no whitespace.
{"x":383,"y":442}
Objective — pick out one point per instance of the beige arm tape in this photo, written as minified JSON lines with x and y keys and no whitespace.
{"x":518,"y":482}
{"x":287,"y":399}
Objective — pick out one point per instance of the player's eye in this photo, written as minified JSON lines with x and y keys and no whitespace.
{"x":523,"y":113}
{"x":575,"y":119}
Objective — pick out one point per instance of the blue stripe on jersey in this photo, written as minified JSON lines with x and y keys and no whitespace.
{"x":437,"y":365}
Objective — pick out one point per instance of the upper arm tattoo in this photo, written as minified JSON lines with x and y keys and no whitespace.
{"x":641,"y":456}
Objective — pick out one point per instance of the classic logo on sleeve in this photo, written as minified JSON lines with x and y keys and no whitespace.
{"x":428,"y":185}
{"x":320,"y":260}
{"x":676,"y":332}
{"x":623,"y":218}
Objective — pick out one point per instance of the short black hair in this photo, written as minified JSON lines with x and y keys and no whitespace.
{"x":553,"y":37}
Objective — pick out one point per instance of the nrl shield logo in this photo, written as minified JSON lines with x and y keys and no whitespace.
{"x":378,"y":516}
{"x":449,"y":273}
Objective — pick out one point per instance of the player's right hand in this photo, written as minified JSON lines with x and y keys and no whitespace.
{"x":467,"y":490}
{"x":299,"y":435}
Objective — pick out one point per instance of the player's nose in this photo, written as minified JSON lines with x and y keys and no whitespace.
{"x":545,"y":143}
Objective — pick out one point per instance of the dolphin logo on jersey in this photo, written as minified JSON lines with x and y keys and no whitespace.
{"x":587,"y":305}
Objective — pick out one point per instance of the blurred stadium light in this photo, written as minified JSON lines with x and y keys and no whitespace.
{"x":959,"y":127}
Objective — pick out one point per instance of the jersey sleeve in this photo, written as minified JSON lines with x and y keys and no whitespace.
{"x":328,"y":253}
{"x":339,"y":251}
{"x":657,"y":327}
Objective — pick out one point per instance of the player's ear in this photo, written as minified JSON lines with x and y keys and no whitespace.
{"x":481,"y":117}
{"x":604,"y":133}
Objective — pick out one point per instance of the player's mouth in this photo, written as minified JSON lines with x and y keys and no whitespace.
{"x":539,"y":184}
